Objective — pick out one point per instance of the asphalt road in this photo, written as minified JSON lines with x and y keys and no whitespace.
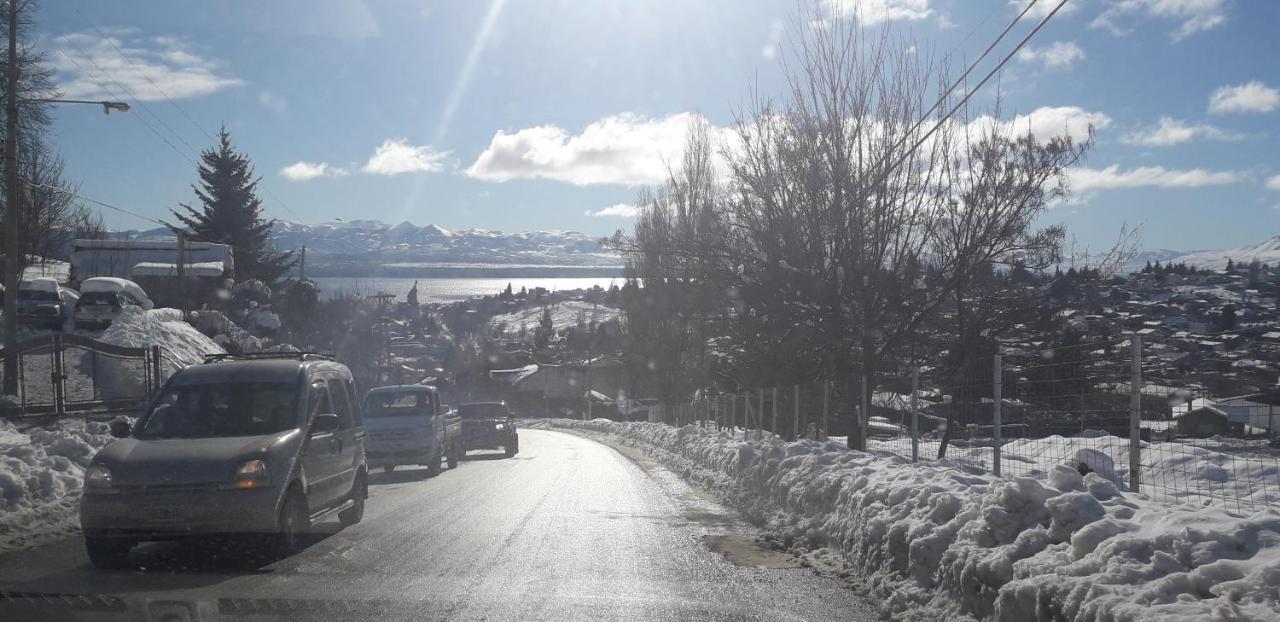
{"x":569,"y":529}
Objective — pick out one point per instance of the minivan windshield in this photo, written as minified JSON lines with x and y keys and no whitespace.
{"x":389,"y":404}
{"x":222,"y":409}
{"x":480,"y":411}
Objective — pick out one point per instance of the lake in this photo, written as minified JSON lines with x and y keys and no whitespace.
{"x":451,"y":289}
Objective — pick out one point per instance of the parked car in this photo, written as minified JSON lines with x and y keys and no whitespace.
{"x":408,"y":425}
{"x":262,"y":446}
{"x":102,"y":298}
{"x":489,"y":425}
{"x":42,"y":302}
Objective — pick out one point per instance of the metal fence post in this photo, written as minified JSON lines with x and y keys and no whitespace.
{"x":796,"y":413}
{"x":915,"y":414}
{"x":773,"y":421}
{"x":759,"y":416}
{"x":997,"y":426}
{"x":826,"y":408}
{"x":1135,"y":415}
{"x":863,"y":416}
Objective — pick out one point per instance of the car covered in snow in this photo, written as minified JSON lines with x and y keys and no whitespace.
{"x":43,"y":302}
{"x":261,"y":446}
{"x":489,"y":425}
{"x":103,"y":297}
{"x":408,"y":425}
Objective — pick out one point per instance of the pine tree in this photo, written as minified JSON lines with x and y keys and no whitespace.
{"x":231,"y":213}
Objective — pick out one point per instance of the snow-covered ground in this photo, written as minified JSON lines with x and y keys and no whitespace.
{"x":946,"y":540}
{"x":41,"y":472}
{"x":563,"y":315}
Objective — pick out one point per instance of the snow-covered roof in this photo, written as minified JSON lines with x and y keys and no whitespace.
{"x":113,"y":284}
{"x":41,"y":284}
{"x":92,"y":258}
{"x":200,"y":269}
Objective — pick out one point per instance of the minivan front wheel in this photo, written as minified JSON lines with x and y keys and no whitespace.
{"x":107,"y":552}
{"x":293,"y":523}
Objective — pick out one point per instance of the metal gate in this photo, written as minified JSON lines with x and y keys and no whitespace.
{"x":60,"y":374}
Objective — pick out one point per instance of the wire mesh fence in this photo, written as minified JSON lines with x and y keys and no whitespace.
{"x":1105,"y":407}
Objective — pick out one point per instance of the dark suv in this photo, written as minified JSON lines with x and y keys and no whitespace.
{"x":263,"y":446}
{"x":489,"y":425}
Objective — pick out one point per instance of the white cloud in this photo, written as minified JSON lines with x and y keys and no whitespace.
{"x":1172,"y":132}
{"x":1043,"y":8}
{"x":1085,"y":179}
{"x":620,"y":210}
{"x":1193,"y":15}
{"x":870,"y":12}
{"x":623,"y":149}
{"x":1049,"y":121}
{"x":305,"y":171}
{"x":273,"y":102}
{"x":396,"y":156}
{"x":1249,"y":97}
{"x":773,"y":44}
{"x":1274,"y":183}
{"x":91,"y":66}
{"x":1057,"y":54}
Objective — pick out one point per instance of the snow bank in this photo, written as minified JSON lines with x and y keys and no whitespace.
{"x":40,"y":477}
{"x":180,"y":345}
{"x":944,"y":540}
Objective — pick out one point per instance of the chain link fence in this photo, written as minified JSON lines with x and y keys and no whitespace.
{"x":1105,"y":407}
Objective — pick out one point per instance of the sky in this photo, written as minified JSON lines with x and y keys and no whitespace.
{"x":553,"y":114}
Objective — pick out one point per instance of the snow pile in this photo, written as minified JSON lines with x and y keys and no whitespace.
{"x":180,"y":345}
{"x":225,"y":332}
{"x":1175,"y":472}
{"x":40,"y":477}
{"x":563,"y":315}
{"x":941,"y":540}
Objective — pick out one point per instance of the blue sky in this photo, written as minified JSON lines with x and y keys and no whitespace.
{"x":551,"y":114}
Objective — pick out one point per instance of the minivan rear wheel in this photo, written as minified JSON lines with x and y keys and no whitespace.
{"x":108,"y":552}
{"x":359,"y":490}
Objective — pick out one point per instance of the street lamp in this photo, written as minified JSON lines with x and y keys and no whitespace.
{"x":107,"y":107}
{"x":12,"y":276}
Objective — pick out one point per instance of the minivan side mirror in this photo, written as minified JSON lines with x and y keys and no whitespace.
{"x":324,"y":422}
{"x":120,"y":428}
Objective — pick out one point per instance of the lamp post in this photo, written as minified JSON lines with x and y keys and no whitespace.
{"x":12,"y":273}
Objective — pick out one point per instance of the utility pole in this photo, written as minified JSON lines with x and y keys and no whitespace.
{"x":11,"y":251}
{"x":182,"y":271}
{"x":302,"y":264}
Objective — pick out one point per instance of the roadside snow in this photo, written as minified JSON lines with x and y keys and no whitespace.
{"x":180,"y":345}
{"x":945,"y":540}
{"x":40,"y":476}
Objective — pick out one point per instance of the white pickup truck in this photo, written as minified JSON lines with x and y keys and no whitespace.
{"x":407,"y":424}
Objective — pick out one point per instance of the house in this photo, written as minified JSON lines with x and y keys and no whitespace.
{"x":1202,"y":420}
{"x":154,"y":264}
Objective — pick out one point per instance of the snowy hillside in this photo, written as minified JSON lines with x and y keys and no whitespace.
{"x":563,"y":315}
{"x":1267,"y":251}
{"x":377,"y":243}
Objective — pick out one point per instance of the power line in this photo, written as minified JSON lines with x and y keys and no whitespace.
{"x":941,"y":100}
{"x":140,"y":119}
{"x":122,"y":210}
{"x":979,"y":86}
{"x":111,"y":41}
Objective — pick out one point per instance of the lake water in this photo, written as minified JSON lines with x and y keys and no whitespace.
{"x":451,"y":289}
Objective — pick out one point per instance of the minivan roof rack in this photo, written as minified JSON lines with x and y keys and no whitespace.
{"x":301,"y":356}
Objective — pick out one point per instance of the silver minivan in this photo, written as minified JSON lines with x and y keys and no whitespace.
{"x":256,"y":445}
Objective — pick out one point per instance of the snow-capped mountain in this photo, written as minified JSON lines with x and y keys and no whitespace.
{"x":1267,"y":251}
{"x":377,"y":244}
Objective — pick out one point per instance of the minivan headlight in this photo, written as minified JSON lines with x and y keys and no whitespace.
{"x":251,"y":474}
{"x":97,"y":479}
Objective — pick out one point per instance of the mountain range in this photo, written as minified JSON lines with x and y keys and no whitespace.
{"x":374,"y":248}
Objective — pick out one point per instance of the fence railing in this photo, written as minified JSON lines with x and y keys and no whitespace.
{"x":1107,"y":408}
{"x":60,"y":374}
